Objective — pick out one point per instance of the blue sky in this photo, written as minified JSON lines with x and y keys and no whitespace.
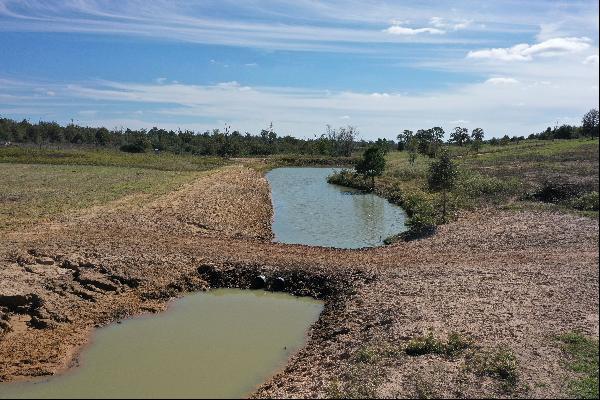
{"x":510,"y":67}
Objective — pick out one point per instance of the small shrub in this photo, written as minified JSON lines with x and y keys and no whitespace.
{"x":422,"y":345}
{"x":475,"y":185}
{"x":456,"y":344}
{"x":420,"y":225}
{"x":557,"y":190}
{"x":498,"y":363}
{"x":586,"y":202}
{"x":132,"y":148}
{"x":367,"y":355}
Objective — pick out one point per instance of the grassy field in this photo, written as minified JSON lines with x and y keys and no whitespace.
{"x":38,"y":184}
{"x":108,"y":158}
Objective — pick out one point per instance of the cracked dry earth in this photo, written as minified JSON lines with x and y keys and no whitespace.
{"x":502,"y":278}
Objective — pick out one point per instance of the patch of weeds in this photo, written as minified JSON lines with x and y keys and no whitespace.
{"x":586,"y":202}
{"x":500,"y":363}
{"x":367,"y":355}
{"x":582,"y":354}
{"x":559,"y":189}
{"x":422,"y":345}
{"x":456,"y":344}
{"x":429,"y":344}
{"x":474,"y":187}
{"x":424,"y":389}
{"x":358,"y":382}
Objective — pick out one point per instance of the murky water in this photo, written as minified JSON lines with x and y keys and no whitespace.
{"x":219,"y":344}
{"x":308,"y":210}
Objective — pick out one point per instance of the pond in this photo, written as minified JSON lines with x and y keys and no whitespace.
{"x":308,"y":210}
{"x":217,"y":344}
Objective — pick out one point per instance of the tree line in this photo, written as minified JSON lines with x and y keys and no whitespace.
{"x":337,"y":142}
{"x":226,"y":143}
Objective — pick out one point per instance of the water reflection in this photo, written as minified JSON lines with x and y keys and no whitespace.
{"x":219,"y":344}
{"x":308,"y":210}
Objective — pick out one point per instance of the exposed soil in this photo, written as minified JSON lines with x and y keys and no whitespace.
{"x":500,"y":277}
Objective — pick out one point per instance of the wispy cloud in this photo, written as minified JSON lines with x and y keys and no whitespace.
{"x":501,"y":81}
{"x":402,"y":30}
{"x":494,"y":105}
{"x":591,"y":60}
{"x":193,"y":22}
{"x":526,"y":52}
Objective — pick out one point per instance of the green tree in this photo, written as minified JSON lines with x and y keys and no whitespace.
{"x":460,"y":136}
{"x":477,"y":137}
{"x":102,"y":136}
{"x":412,"y":146}
{"x":442,"y":178}
{"x":404,"y":138}
{"x":589,"y":123}
{"x":372,"y":164}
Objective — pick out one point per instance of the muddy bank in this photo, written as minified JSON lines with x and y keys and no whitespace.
{"x":500,"y":277}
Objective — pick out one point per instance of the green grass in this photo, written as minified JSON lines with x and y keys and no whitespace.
{"x":35,"y":192}
{"x":500,"y":176}
{"x":422,"y":345}
{"x":108,"y":157}
{"x":39,"y":184}
{"x":582,"y":359}
{"x":499,"y":363}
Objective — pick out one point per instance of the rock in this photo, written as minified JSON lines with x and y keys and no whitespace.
{"x":20,"y":303}
{"x":259,"y":282}
{"x":41,"y":323}
{"x":278,"y":284}
{"x":44,"y":260}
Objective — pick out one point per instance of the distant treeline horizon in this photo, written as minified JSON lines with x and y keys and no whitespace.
{"x":225,"y":143}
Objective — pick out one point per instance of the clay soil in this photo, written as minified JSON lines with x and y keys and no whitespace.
{"x":502,"y":278}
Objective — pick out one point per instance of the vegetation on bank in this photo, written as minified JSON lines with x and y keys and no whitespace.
{"x":361,"y":379}
{"x":582,"y":359}
{"x":559,"y":174}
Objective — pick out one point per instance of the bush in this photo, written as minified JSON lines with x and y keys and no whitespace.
{"x":133,"y":148}
{"x":557,"y":190}
{"x":586,"y":202}
{"x":475,"y":185}
{"x":498,"y":363}
{"x":422,"y":345}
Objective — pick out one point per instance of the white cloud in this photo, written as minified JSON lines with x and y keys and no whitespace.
{"x":497,"y":108}
{"x":526,"y":52}
{"x":501,"y":81}
{"x":593,"y":60}
{"x":401,"y":30}
{"x":161,"y":80}
{"x":441,"y":23}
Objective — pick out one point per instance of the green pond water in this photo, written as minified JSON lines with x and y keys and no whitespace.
{"x":308,"y":210}
{"x":221,"y":343}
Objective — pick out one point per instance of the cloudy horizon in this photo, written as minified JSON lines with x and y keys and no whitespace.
{"x":377,"y":65}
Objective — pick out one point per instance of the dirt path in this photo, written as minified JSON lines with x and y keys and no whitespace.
{"x":501,"y":278}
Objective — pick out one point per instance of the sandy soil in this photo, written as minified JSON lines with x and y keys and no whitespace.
{"x":507,"y":278}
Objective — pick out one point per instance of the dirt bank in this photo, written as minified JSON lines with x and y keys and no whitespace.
{"x":499,"y":277}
